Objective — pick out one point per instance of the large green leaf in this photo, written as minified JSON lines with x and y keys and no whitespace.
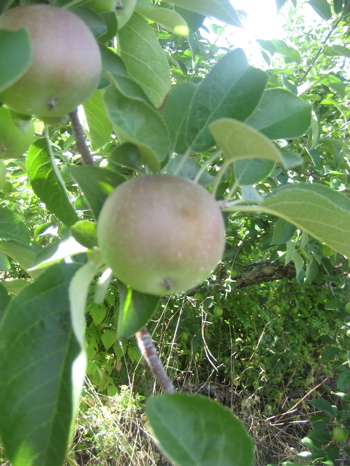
{"x":15,"y":56}
{"x":135,"y":310}
{"x":46,"y":183}
{"x":144,"y":58}
{"x":100,"y":128}
{"x":24,"y":254}
{"x":322,"y":8}
{"x":238,"y":141}
{"x":336,"y":51}
{"x":37,"y":352}
{"x":281,"y":115}
{"x":195,"y":430}
{"x":232,"y":89}
{"x":279,"y":46}
{"x":175,"y":112}
{"x":12,"y":227}
{"x":169,"y":19}
{"x":220,"y":9}
{"x":140,"y":124}
{"x":251,"y":171}
{"x":96,"y":184}
{"x":316,"y":209}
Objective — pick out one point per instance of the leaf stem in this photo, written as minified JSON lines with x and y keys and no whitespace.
{"x":150,"y":354}
{"x":80,"y":141}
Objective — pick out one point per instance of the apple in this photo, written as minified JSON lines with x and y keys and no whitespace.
{"x":66,"y":65}
{"x":218,"y":311}
{"x":14,"y":138}
{"x":161,"y":234}
{"x":340,"y":434}
{"x":347,"y":307}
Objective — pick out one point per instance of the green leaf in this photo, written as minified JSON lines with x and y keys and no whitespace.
{"x":279,"y":46}
{"x":232,"y":89}
{"x":316,"y":209}
{"x":281,"y":115}
{"x":24,"y":254}
{"x":96,"y":184}
{"x":4,"y":262}
{"x":336,"y":51}
{"x":193,"y":20}
{"x":338,"y":6}
{"x":37,"y":353}
{"x":322,"y":8}
{"x":324,"y":406}
{"x":97,"y":312}
{"x":108,"y":338}
{"x":4,"y":299}
{"x":135,"y":310}
{"x":111,"y":62}
{"x":331,"y":81}
{"x":15,"y":56}
{"x":144,"y":58}
{"x":15,"y":286}
{"x":195,"y":430}
{"x":175,"y":112}
{"x":12,"y":227}
{"x":93,"y":21}
{"x":251,"y":171}
{"x":100,"y":128}
{"x":55,"y":252}
{"x":127,"y":155}
{"x":129,"y":88}
{"x":343,"y":380}
{"x":2,"y":175}
{"x":283,"y":232}
{"x":239,"y":141}
{"x":220,"y":9}
{"x":169,"y":19}
{"x":140,"y":124}
{"x":46,"y":184}
{"x":84,"y":232}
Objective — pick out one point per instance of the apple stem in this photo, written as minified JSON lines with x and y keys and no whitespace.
{"x":150,"y":354}
{"x":79,"y":137}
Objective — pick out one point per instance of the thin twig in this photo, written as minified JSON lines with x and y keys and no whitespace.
{"x":150,"y":354}
{"x":79,"y":137}
{"x":324,"y":43}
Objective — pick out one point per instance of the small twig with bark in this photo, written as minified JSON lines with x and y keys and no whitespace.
{"x":79,"y":137}
{"x":150,"y":354}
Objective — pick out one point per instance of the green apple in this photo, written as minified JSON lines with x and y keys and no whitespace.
{"x":66,"y":66}
{"x":14,"y":138}
{"x":161,"y":234}
{"x":218,"y":311}
{"x":340,"y":434}
{"x":347,"y":307}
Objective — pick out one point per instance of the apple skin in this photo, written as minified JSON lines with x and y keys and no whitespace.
{"x":161,"y":234}
{"x":66,"y":66}
{"x":14,"y":139}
